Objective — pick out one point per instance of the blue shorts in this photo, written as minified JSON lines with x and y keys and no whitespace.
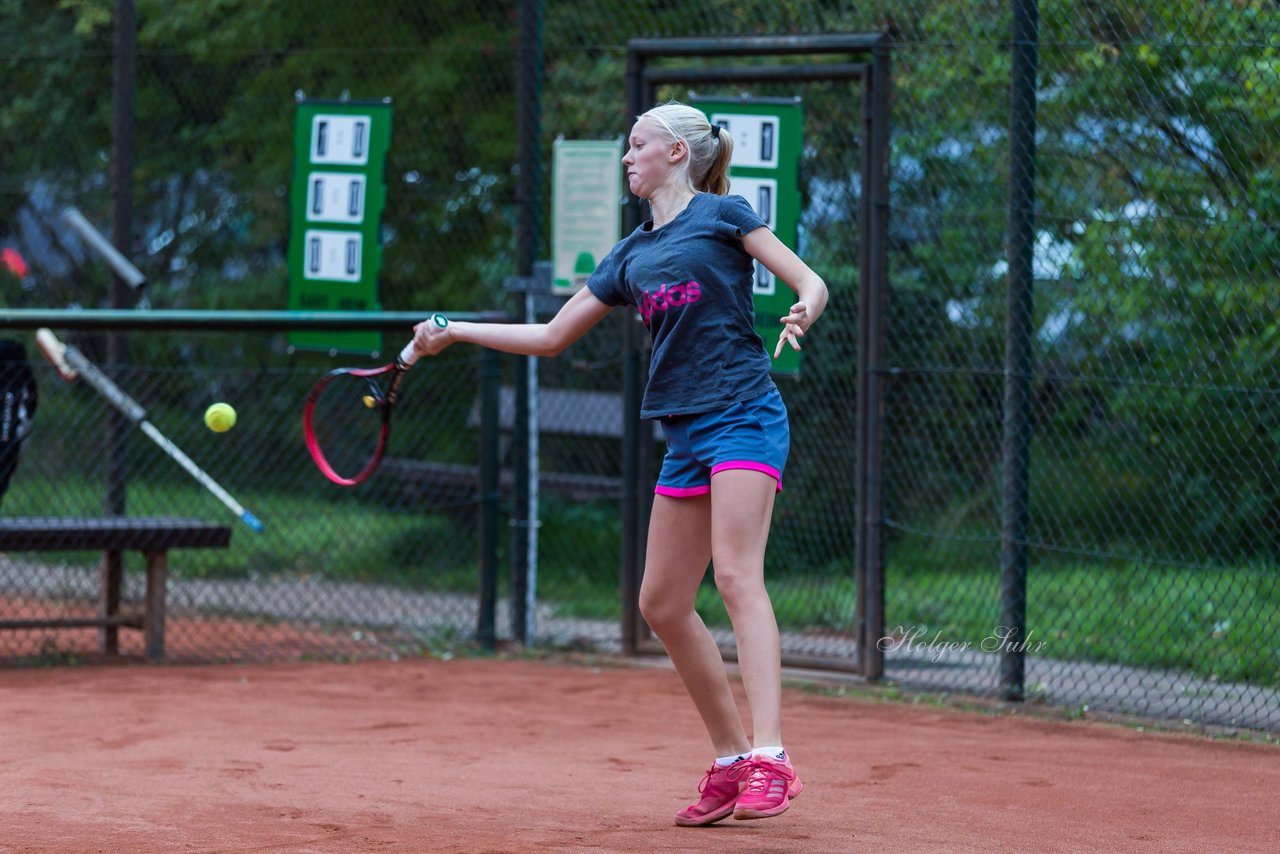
{"x":752,"y":435}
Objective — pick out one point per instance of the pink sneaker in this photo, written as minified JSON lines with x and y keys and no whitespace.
{"x":719,"y":790}
{"x":771,"y":784}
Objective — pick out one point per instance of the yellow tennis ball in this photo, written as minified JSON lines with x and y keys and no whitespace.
{"x":220,"y":417}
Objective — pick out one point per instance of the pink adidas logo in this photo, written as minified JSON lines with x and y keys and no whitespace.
{"x":667,"y":297}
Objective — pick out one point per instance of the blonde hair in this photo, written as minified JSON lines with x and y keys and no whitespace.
{"x":706,"y":169}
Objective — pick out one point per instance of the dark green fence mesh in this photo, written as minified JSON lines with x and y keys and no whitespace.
{"x":1154,"y":495}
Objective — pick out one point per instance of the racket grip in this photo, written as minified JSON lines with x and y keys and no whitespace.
{"x":409,"y":355}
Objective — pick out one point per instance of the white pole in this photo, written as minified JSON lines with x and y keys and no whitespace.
{"x":531,"y":586}
{"x":121,"y":265}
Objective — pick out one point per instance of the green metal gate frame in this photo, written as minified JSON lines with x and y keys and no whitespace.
{"x":870,"y":68}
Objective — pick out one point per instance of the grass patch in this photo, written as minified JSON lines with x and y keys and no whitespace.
{"x":338,"y":538}
{"x":1218,"y":623}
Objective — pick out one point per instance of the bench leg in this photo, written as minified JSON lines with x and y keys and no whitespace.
{"x":112,"y":571}
{"x":153,"y":617}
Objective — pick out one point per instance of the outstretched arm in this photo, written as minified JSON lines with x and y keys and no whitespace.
{"x":575,"y":317}
{"x":765,"y":247}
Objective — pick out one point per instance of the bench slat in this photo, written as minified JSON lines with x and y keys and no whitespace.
{"x":140,"y":533}
{"x":128,"y":621}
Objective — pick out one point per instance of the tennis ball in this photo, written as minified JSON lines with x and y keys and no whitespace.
{"x":220,"y":417}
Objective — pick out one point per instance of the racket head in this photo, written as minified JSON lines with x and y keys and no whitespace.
{"x":346,"y":421}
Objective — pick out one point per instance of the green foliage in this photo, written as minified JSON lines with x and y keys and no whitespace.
{"x":1156,"y":340}
{"x":585,"y":540}
{"x":215,"y":91}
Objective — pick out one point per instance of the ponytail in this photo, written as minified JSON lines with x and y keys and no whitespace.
{"x":716,"y":179}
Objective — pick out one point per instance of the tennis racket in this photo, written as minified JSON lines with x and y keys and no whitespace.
{"x":347,"y":416}
{"x":70,"y":363}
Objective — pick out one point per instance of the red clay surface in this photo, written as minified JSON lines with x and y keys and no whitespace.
{"x":512,"y":756}
{"x":187,"y":639}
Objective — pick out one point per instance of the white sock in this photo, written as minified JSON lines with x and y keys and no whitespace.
{"x":726,"y":761}
{"x":775,"y":751}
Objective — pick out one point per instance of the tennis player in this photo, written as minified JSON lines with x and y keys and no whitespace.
{"x":688,"y":271}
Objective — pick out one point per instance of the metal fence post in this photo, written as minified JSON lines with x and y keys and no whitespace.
{"x":490,"y":497}
{"x":528,"y":237}
{"x":632,"y":388}
{"x":872,"y":294}
{"x":117,"y":426}
{"x":1016,"y":449}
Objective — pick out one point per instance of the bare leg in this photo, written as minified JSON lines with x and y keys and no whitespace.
{"x":742,"y":509}
{"x":679,"y":550}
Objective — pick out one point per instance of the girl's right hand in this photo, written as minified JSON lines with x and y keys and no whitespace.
{"x":429,"y":339}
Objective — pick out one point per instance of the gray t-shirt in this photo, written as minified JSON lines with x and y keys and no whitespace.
{"x":691,"y":281}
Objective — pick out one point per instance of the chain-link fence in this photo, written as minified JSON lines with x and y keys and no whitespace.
{"x":334,"y":572}
{"x":1152,"y":501}
{"x":1153,"y":492}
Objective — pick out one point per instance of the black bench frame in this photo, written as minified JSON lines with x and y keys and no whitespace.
{"x":153,"y":536}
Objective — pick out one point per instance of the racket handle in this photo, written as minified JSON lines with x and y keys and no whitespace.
{"x":409,"y":355}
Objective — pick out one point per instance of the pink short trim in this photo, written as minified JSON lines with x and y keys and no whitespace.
{"x":689,"y":491}
{"x":750,"y":466}
{"x":681,"y":491}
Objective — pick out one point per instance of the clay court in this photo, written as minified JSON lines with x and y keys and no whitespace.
{"x":491,"y":755}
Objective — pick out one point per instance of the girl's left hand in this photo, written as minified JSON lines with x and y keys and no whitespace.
{"x":793,"y":327}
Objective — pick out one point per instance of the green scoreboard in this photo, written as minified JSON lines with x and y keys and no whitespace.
{"x":336,"y":203}
{"x":767,"y":138}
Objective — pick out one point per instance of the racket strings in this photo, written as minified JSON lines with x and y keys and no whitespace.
{"x":372,"y":397}
{"x":347,"y":421}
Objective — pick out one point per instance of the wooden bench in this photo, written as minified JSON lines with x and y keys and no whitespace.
{"x":153,"y":536}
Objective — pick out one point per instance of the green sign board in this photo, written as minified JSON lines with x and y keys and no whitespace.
{"x":586,"y":209}
{"x":336,"y":202}
{"x":767,"y":138}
